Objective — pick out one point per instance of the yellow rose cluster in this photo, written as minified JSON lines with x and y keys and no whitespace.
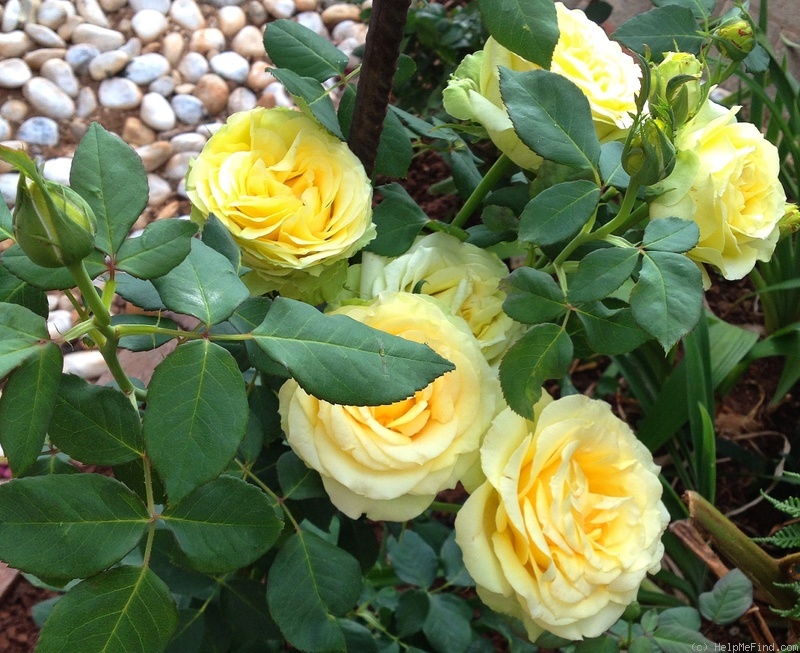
{"x":584,"y":54}
{"x":726,"y":180}
{"x":295,"y":198}
{"x":389,"y":462}
{"x":569,"y":520}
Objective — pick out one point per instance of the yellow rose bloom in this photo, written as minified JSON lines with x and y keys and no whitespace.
{"x":294,"y":197}
{"x":463,"y":277}
{"x":389,"y":462}
{"x":584,"y":54}
{"x":569,"y":521}
{"x":726,"y":180}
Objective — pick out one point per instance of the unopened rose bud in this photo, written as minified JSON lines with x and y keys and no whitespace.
{"x":735,"y":39}
{"x":53,"y":225}
{"x":790,"y":222}
{"x":649,"y":155}
{"x":676,"y":86}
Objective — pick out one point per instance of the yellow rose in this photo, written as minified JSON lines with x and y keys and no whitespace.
{"x":569,"y":520}
{"x":389,"y":462}
{"x":726,"y":180}
{"x":463,"y":277}
{"x":584,"y":54}
{"x":294,"y":197}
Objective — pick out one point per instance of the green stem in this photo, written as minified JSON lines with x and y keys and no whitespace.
{"x":84,"y":283}
{"x":496,"y":172}
{"x":443,"y":506}
{"x":763,"y":570}
{"x":122,"y":330}
{"x":268,"y":490}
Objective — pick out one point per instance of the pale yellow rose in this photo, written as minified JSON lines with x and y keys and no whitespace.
{"x":726,"y":180}
{"x":463,"y":277}
{"x":389,"y":462}
{"x":569,"y":521}
{"x":584,"y":54}
{"x":294,"y":197}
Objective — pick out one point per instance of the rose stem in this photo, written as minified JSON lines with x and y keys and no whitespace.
{"x":381,"y":52}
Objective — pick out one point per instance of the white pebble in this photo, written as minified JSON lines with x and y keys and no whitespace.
{"x":189,"y":142}
{"x":163,"y":86}
{"x":14,"y":110}
{"x":108,"y":64}
{"x":119,"y":93}
{"x":156,"y":112}
{"x":78,"y":56}
{"x":206,"y":40}
{"x":147,"y":68}
{"x":231,"y":20}
{"x":249,"y":42}
{"x":187,"y":14}
{"x":178,"y":165}
{"x":88,"y":363}
{"x":241,"y":99}
{"x":113,"y":5}
{"x":280,"y":8}
{"x":8,"y":187}
{"x":133,"y":47}
{"x":91,"y":11}
{"x":39,"y":131}
{"x":256,"y":12}
{"x":161,"y":6}
{"x":51,"y":14}
{"x":15,"y":44}
{"x":5,"y":129}
{"x":60,"y":72}
{"x":154,"y":155}
{"x":230,"y":65}
{"x":193,"y":66}
{"x":158,"y":190}
{"x":14,"y":73}
{"x":102,"y":38}
{"x":278,"y":92}
{"x":149,"y":24}
{"x":172,"y":47}
{"x":49,"y":99}
{"x":59,"y":322}
{"x":259,"y":76}
{"x":36,"y":58}
{"x":188,"y":109}
{"x":86,"y":104}
{"x":58,"y":169}
{"x":44,"y":37}
{"x":12,"y":15}
{"x":313,"y":21}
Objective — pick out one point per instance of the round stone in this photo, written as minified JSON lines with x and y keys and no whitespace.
{"x":133,"y":47}
{"x":279,"y":95}
{"x":193,"y":66}
{"x":256,"y":13}
{"x":92,"y":12}
{"x":187,"y":14}
{"x":212,"y":91}
{"x":231,"y":20}
{"x":48,"y":99}
{"x":59,"y":322}
{"x":230,"y":65}
{"x":158,"y":190}
{"x":39,"y":131}
{"x":259,"y":76}
{"x":113,"y":5}
{"x":156,"y":112}
{"x":348,"y":46}
{"x":108,"y":64}
{"x":61,"y":73}
{"x":58,"y":169}
{"x":15,"y":44}
{"x":14,"y":73}
{"x":149,"y":24}
{"x":66,"y":29}
{"x":347,"y":29}
{"x":8,"y":187}
{"x":119,"y":93}
{"x":280,"y":8}
{"x":147,"y":68}
{"x":12,"y":15}
{"x":86,"y":363}
{"x":44,"y":37}
{"x":5,"y":129}
{"x":14,"y":110}
{"x":161,"y":6}
{"x":36,"y":58}
{"x":163,"y":86}
{"x":208,"y":39}
{"x":241,"y":99}
{"x":52,"y":14}
{"x":313,"y":21}
{"x":136,"y":133}
{"x":78,"y":56}
{"x":188,"y":109}
{"x":178,"y":165}
{"x":338,"y":12}
{"x":249,"y":42}
{"x":172,"y":47}
{"x":102,"y":38}
{"x":154,"y":155}
{"x":306,"y":5}
{"x":86,"y":103}
{"x":189,"y":142}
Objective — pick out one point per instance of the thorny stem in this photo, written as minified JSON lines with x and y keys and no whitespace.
{"x":495,"y":173}
{"x":151,"y":508}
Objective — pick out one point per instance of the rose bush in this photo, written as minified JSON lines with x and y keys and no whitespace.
{"x":389,"y":462}
{"x":584,"y":54}
{"x":294,"y":198}
{"x":569,"y":520}
{"x":726,"y":179}
{"x":463,"y":277}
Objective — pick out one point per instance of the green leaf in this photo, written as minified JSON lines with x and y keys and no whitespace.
{"x":312,"y":98}
{"x":699,"y":8}
{"x":297,"y":480}
{"x":68,"y":526}
{"x":413,"y":559}
{"x":97,"y":425}
{"x":398,"y":220}
{"x":671,"y":28}
{"x":611,"y":170}
{"x":290,"y":45}
{"x":412,"y":608}
{"x":196,"y":416}
{"x":14,"y":290}
{"x":529,"y":29}
{"x":315,"y":348}
{"x":244,"y":606}
{"x":22,"y":334}
{"x":17,"y":262}
{"x":126,"y":609}
{"x":533,"y":296}
{"x":551,"y":116}
{"x":558,"y":212}
{"x":110,"y":176}
{"x":203,"y":285}
{"x":683,"y":616}
{"x":395,"y":151}
{"x":679,"y":639}
{"x":143,"y":341}
{"x":544,"y":352}
{"x":162,"y":245}
{"x":668,"y":298}
{"x":601,"y":272}
{"x":357,"y":638}
{"x":608,"y":331}
{"x":26,"y":406}
{"x":218,"y":238}
{"x":224,"y":525}
{"x":310,"y":582}
{"x":447,"y":625}
{"x":6,"y":223}
{"x":602,"y":644}
{"x":139,"y":292}
{"x":730,"y":598}
{"x":671,"y":235}
{"x":454,"y":570}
